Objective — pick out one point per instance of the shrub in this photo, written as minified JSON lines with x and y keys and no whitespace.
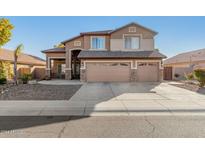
{"x":10,"y":71}
{"x":189,"y":76}
{"x":47,"y":78}
{"x":3,"y":80}
{"x":2,"y":73}
{"x":199,"y":75}
{"x":176,"y":75}
{"x":26,"y":77}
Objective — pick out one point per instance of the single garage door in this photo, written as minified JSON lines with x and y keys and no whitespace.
{"x":108,"y":72}
{"x":148,"y":72}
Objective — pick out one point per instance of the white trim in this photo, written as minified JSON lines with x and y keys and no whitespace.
{"x":48,"y":59}
{"x":97,"y":49}
{"x":136,"y":64}
{"x":129,"y":61}
{"x":67,"y":69}
{"x":56,"y":58}
{"x":147,"y":61}
{"x":103,"y":61}
{"x":97,"y":36}
{"x":75,"y":49}
{"x":161,"y":66}
{"x":83,"y":68}
{"x":137,"y":35}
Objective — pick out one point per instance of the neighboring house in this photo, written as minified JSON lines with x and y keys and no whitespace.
{"x":176,"y":67}
{"x":124,"y":54}
{"x":25,"y":64}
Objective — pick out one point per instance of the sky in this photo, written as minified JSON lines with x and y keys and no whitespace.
{"x":175,"y":34}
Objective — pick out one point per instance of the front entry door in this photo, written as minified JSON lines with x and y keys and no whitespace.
{"x":76,"y":69}
{"x":75,"y":65}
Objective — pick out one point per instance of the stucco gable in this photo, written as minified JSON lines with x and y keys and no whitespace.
{"x":135,"y":25}
{"x":140,"y":30}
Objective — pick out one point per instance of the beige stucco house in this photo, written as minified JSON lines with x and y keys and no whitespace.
{"x":184,"y":63}
{"x":25,"y":64}
{"x":124,"y":54}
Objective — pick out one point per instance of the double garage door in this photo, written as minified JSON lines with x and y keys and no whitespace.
{"x":120,"y":72}
{"x":108,"y":72}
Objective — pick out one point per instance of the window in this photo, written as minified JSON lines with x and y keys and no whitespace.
{"x":142,"y":64}
{"x":152,"y":64}
{"x":132,"y":29}
{"x":131,"y":42}
{"x":114,"y":64}
{"x":77,"y":43}
{"x":123,"y":64}
{"x":98,"y":43}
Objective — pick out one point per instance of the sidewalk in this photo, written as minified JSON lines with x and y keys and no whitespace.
{"x":114,"y":108}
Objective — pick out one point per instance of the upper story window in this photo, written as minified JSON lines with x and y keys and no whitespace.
{"x":132,"y":29}
{"x":98,"y":42}
{"x":131,"y":42}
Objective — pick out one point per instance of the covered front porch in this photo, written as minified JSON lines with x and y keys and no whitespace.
{"x":61,"y":64}
{"x":57,"y":68}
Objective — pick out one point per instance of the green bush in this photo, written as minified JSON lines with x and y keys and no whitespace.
{"x":3,"y":80}
{"x":176,"y":75}
{"x":2,"y":73}
{"x":199,"y":75}
{"x":189,"y":76}
{"x":26,"y":77}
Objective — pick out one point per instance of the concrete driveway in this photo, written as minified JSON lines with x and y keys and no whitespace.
{"x":135,"y":98}
{"x":115,"y":99}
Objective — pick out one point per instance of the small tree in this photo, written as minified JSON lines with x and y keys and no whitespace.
{"x":17,"y":52}
{"x":199,"y":75}
{"x":5,"y":31}
{"x":59,"y":45}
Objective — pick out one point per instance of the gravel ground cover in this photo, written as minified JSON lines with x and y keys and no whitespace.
{"x":190,"y":86}
{"x":39,"y":92}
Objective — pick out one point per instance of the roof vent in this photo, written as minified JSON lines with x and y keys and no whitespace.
{"x":132,"y":29}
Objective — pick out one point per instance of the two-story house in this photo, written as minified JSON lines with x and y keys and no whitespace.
{"x":124,"y":54}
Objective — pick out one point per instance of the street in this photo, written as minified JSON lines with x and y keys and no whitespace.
{"x":103,"y":127}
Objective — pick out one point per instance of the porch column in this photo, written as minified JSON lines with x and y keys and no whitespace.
{"x":83,"y":71}
{"x":133,"y":73}
{"x":68,"y":65}
{"x":48,"y":67}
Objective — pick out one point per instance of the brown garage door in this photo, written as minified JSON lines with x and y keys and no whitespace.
{"x":148,"y":72}
{"x":108,"y":72}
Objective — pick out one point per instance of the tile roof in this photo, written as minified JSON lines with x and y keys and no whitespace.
{"x":108,"y":31}
{"x":54,"y":50}
{"x":120,"y":54}
{"x":8,"y":55}
{"x":197,"y":55}
{"x":97,"y":32}
{"x":70,"y":39}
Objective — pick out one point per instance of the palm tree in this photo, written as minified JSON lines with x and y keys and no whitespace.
{"x":17,"y":52}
